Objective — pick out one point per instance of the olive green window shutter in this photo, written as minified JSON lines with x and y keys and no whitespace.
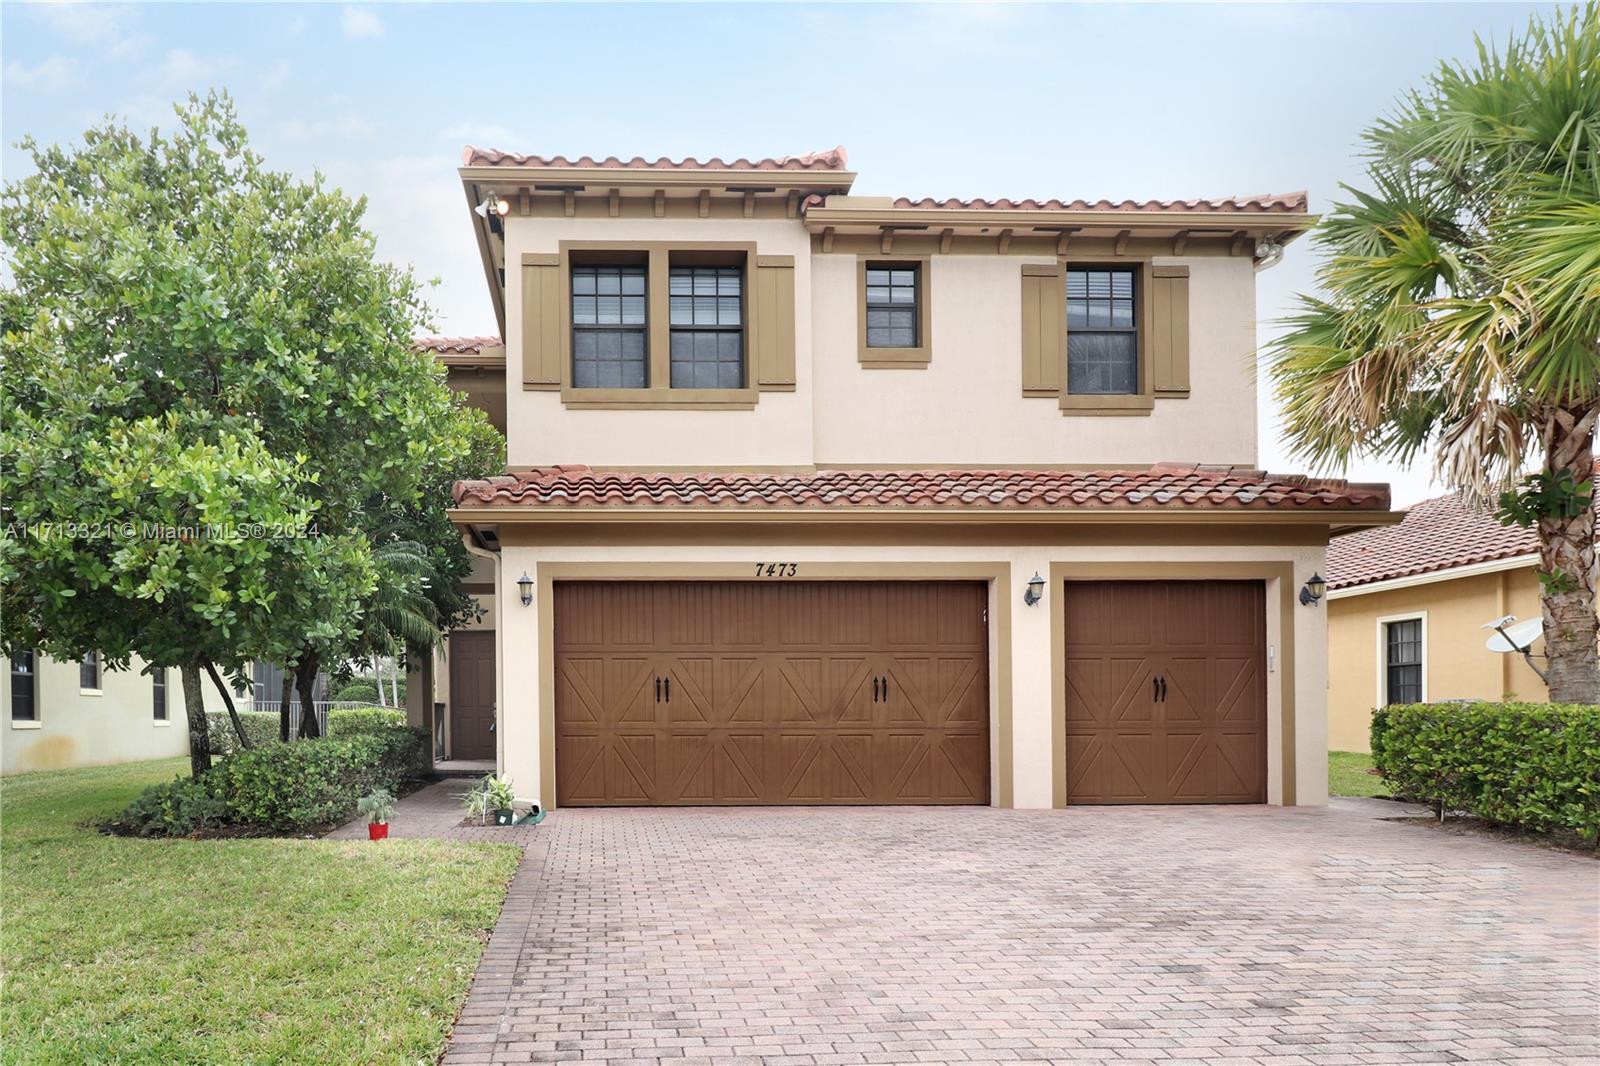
{"x":541,"y":320}
{"x":1044,"y":330}
{"x":1169,"y":330}
{"x":774,"y":323}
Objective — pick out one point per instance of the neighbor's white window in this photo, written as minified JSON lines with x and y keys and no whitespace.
{"x":1402,"y":659}
{"x":89,"y":669}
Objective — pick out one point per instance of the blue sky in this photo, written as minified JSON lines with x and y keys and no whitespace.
{"x":1165,"y":101}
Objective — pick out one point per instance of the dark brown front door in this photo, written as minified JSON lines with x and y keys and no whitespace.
{"x":472,"y":695}
{"x":768,"y":693}
{"x":1166,"y":693}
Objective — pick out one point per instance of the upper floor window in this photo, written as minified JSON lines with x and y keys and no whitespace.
{"x":1102,"y":332}
{"x":158,"y":693}
{"x":609,"y":328}
{"x":706,"y":313}
{"x":89,"y":672}
{"x":1402,"y":661}
{"x":24,"y":687}
{"x":893,"y":301}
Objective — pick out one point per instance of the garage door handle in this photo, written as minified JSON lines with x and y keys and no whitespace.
{"x":658,"y":690}
{"x":885,"y":689}
{"x":669,"y":690}
{"x":1155,"y":689}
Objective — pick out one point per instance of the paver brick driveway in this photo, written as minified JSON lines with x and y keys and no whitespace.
{"x":1214,"y":935}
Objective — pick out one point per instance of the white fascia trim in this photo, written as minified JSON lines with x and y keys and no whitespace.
{"x":1493,"y":566}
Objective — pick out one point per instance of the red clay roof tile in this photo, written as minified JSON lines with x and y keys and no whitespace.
{"x":456,"y":345}
{"x":1163,"y":485}
{"x":834,"y":159}
{"x":1435,"y":535}
{"x":1294,"y":203}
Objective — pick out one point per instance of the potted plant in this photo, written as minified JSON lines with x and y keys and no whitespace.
{"x":377,"y":806}
{"x":499,"y":797}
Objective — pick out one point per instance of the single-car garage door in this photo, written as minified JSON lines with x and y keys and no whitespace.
{"x":1166,"y":696}
{"x":771,"y":692}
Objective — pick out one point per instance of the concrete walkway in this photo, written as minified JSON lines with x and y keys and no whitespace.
{"x":1217,"y":935}
{"x":435,"y":811}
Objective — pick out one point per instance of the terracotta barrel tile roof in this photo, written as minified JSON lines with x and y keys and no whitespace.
{"x":1292,"y":203}
{"x":1435,"y":535}
{"x":456,"y":345}
{"x":1163,"y":485}
{"x":834,"y":159}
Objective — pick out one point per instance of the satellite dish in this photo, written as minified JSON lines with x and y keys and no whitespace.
{"x":1515,"y":637}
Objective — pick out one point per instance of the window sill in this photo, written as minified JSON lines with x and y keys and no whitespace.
{"x":1107,"y":405}
{"x":91,"y":692}
{"x":24,"y":723}
{"x":161,"y":723}
{"x":659,"y":399}
{"x":895,"y":358}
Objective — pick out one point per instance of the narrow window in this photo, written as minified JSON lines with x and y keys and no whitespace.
{"x":158,"y":693}
{"x":608,"y":327}
{"x":24,"y":687}
{"x":894,"y":304}
{"x":1102,"y":333}
{"x":89,"y":671}
{"x":1403,"y":661}
{"x":707,"y":320}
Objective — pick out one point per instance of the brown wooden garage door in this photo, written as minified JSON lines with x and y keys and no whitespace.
{"x":1166,"y":695}
{"x":766,"y":693}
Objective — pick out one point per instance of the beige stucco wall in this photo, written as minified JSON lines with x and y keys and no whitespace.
{"x":966,"y":408}
{"x":78,"y":728}
{"x":1029,"y":669}
{"x":1456,"y":665}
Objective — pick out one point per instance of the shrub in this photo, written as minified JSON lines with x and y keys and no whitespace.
{"x":1530,"y":765}
{"x":280,"y":787}
{"x":357,"y":691}
{"x":260,"y":726}
{"x":354,"y":721}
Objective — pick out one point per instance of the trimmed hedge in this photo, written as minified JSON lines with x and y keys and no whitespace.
{"x":280,"y":788}
{"x":1531,"y":765}
{"x":262,"y":726}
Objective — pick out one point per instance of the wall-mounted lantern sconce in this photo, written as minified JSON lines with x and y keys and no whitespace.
{"x":1035,"y":591}
{"x":525,"y":587}
{"x":1311,"y":592}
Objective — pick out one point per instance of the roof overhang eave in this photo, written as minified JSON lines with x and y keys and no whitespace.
{"x":580,"y":179}
{"x":1334,"y":518}
{"x":1286,"y":225}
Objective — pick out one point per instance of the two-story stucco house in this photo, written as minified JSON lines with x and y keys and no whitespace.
{"x":824,"y":499}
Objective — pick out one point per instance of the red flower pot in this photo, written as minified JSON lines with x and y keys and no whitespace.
{"x":377,"y":830}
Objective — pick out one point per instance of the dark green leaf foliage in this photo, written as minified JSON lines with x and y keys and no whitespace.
{"x":357,"y":691}
{"x":262,"y":726}
{"x":1534,"y":766}
{"x":1542,"y":495}
{"x":280,"y":788}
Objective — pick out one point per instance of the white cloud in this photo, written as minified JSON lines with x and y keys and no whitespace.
{"x":51,"y":74}
{"x":483,"y":135}
{"x":277,"y":76}
{"x":345,"y":124}
{"x":183,"y":67}
{"x":86,"y":23}
{"x":359,"y":21}
{"x":130,"y":46}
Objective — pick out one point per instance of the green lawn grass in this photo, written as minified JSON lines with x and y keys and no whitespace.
{"x":1349,"y":774}
{"x":183,"y":951}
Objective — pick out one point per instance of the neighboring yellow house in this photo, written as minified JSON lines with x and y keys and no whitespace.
{"x":1406,"y":607}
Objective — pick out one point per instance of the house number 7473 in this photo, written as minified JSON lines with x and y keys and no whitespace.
{"x":777,"y":569}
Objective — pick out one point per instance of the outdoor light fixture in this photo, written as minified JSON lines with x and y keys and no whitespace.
{"x":1311,"y":592}
{"x":497,"y":204}
{"x":525,"y":587}
{"x":1035,"y":591}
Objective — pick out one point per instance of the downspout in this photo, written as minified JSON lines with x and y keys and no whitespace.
{"x":499,"y":635}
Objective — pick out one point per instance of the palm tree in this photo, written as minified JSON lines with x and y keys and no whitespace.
{"x":1461,"y":310}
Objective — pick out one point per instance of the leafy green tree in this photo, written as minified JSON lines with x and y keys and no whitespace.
{"x":174,"y":280}
{"x":1461,"y":309}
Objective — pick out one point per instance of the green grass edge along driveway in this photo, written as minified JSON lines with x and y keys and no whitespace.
{"x":184,"y":951}
{"x":1350,"y":774}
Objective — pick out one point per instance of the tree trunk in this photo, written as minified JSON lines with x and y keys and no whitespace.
{"x":1567,"y":558}
{"x":305,"y":678}
{"x":227,"y":701}
{"x":194,"y":708}
{"x":283,"y":704}
{"x":377,"y":678}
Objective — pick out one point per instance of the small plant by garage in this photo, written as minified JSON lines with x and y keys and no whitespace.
{"x":491,"y":797}
{"x":377,"y":807}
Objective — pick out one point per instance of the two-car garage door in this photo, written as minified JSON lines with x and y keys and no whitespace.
{"x":771,"y":692}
